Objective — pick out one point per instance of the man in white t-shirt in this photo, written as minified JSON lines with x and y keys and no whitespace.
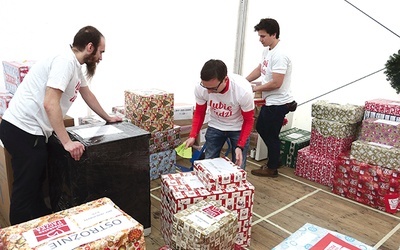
{"x":231,"y":103}
{"x":275,"y":70}
{"x":37,"y":110}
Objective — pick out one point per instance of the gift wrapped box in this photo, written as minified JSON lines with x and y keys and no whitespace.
{"x":383,"y":106}
{"x":204,"y":225}
{"x":291,"y":141}
{"x":330,"y":138}
{"x":98,"y":224}
{"x":180,"y":190}
{"x":310,"y":235}
{"x":162,"y":163}
{"x":219,"y":173}
{"x":380,"y":131}
{"x":344,"y":113}
{"x":376,"y":154}
{"x":150,"y":109}
{"x":5,"y":98}
{"x":165,"y":140}
{"x":314,"y":167}
{"x":115,"y":164}
{"x":363,"y":182}
{"x":15,"y":72}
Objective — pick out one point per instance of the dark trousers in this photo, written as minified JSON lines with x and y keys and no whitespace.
{"x":29,"y":163}
{"x":269,"y":124}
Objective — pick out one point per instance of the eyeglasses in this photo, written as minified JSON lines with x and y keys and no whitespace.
{"x":212,"y":89}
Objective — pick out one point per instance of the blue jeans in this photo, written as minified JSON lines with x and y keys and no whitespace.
{"x":215,"y":140}
{"x":269,"y":124}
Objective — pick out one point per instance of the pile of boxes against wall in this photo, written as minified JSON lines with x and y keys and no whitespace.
{"x":355,"y":150}
{"x":313,"y":237}
{"x":369,"y":173}
{"x":333,"y":129}
{"x":216,"y":179}
{"x":99,"y":224}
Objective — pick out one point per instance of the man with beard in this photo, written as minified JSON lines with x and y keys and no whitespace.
{"x":37,"y":110}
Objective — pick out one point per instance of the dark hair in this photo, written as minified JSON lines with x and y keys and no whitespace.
{"x":213,"y":69}
{"x":270,"y":25}
{"x":87,"y":34}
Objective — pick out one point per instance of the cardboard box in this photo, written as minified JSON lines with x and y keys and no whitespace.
{"x":183,"y":111}
{"x":219,"y":173}
{"x":150,"y":109}
{"x":98,"y":224}
{"x":309,"y":235}
{"x":69,"y":121}
{"x":5,"y":98}
{"x":204,"y":225}
{"x":14,"y":73}
{"x":291,"y":141}
{"x":6,"y":179}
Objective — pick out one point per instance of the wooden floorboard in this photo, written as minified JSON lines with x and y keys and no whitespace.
{"x":284,"y":204}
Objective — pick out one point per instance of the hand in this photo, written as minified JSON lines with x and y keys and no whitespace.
{"x":239,"y":156}
{"x":113,"y":119}
{"x":189,"y":142}
{"x":75,"y":149}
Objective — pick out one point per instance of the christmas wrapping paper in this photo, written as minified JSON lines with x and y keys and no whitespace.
{"x":380,"y":131}
{"x":204,"y":225}
{"x":151,"y":110}
{"x":162,"y":163}
{"x":15,"y":72}
{"x":291,"y":141}
{"x":344,"y":113}
{"x":98,"y":224}
{"x":314,"y":167}
{"x":376,"y":154}
{"x":383,"y":106}
{"x":309,"y":235}
{"x":372,"y":114}
{"x":165,"y":140}
{"x":180,"y":190}
{"x":330,"y":138}
{"x":363,"y":182}
{"x":5,"y":98}
{"x":219,"y":173}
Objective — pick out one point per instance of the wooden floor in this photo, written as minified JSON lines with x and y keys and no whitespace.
{"x":284,"y":204}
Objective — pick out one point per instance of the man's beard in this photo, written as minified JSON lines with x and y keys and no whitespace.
{"x":91,"y":65}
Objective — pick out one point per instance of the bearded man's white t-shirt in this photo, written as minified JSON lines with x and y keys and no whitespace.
{"x":26,"y":110}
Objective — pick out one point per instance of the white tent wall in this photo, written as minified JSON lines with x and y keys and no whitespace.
{"x":163,"y":44}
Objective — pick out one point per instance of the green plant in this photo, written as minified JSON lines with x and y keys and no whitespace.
{"x":393,"y":71}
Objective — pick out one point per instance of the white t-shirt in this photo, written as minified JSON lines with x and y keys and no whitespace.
{"x":276,"y":61}
{"x":26,"y":109}
{"x":225,"y":109}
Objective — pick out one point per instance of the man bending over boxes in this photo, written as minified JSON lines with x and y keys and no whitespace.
{"x":231,"y":103}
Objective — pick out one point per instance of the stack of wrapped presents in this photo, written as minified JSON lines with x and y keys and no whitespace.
{"x":216,"y":179}
{"x":334,"y":127}
{"x":14,"y":73}
{"x":369,"y":172}
{"x":98,"y":224}
{"x":153,"y":111}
